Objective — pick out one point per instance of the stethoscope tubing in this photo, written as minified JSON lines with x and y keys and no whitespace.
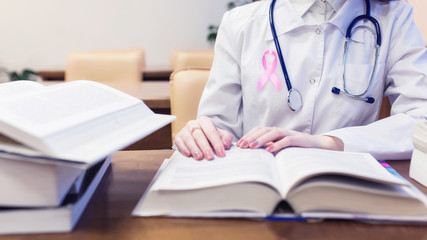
{"x":278,"y":48}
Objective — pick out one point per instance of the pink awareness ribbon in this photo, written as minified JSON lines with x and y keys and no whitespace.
{"x":269,"y":71}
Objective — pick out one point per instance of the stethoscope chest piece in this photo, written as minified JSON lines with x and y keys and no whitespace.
{"x":295,"y":99}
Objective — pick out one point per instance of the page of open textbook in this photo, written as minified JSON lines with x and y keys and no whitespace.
{"x":297,"y":164}
{"x":239,"y":165}
{"x":60,"y":106}
{"x":81,"y":121}
{"x":18,"y":87}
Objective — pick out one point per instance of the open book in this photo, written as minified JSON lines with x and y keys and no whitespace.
{"x":80,"y":121}
{"x":253,"y":183}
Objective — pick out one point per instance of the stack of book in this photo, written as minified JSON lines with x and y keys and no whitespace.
{"x":55,"y":146}
{"x":418,"y":167}
{"x":45,"y":195}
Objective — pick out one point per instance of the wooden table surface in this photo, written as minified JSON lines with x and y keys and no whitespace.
{"x":108,"y":215}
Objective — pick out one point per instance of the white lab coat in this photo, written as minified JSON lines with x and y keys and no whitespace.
{"x":314,"y":60}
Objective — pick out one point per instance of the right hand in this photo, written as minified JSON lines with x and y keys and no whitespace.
{"x":200,"y":139}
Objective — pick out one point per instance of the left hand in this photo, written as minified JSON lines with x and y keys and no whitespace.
{"x":275,"y":139}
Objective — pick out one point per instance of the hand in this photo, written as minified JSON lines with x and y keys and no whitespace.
{"x":275,"y":139}
{"x":199,"y":137}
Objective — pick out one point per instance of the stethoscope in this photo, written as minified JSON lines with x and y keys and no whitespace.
{"x":294,"y":96}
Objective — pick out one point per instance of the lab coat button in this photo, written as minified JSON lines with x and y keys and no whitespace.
{"x":312,"y":81}
{"x":318,"y":31}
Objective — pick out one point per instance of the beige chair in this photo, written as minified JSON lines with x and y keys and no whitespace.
{"x":106,"y":65}
{"x":190,"y":72}
{"x":138,"y":51}
{"x":186,"y":89}
{"x":191,"y":59}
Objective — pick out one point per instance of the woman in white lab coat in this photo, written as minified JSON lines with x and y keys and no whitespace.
{"x":244,"y":102}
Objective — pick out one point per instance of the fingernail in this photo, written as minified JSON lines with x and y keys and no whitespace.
{"x":187,"y":153}
{"x":219,"y":152}
{"x":226,"y":146}
{"x":253,"y":144}
{"x":243,"y":144}
{"x":197,"y":155}
{"x":269,"y":149}
{"x":208,"y":155}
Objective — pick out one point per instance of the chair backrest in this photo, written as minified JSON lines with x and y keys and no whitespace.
{"x":105,"y":66}
{"x":138,"y":51}
{"x":191,"y":59}
{"x":186,"y":90}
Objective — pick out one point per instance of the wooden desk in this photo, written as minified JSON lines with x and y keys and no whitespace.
{"x":108,"y":215}
{"x":147,"y":75}
{"x":156,"y":95}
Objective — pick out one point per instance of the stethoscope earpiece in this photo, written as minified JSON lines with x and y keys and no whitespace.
{"x":370,"y":100}
{"x":336,"y":90}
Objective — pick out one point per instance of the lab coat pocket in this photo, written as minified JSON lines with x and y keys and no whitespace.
{"x":357,"y":82}
{"x":357,"y":78}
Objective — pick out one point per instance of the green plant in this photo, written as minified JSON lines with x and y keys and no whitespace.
{"x":213,"y":29}
{"x":236,"y":3}
{"x":26,"y":74}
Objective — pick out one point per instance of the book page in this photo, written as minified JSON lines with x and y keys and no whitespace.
{"x":60,"y":106}
{"x":239,"y":165}
{"x":297,"y":164}
{"x":93,"y":140}
{"x":18,"y":87}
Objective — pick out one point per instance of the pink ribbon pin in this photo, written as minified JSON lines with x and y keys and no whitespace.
{"x":269,"y":71}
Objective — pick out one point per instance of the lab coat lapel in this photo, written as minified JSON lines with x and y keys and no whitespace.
{"x":349,"y":11}
{"x":285,"y":19}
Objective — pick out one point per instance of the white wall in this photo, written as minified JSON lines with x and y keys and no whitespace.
{"x":38,"y":34}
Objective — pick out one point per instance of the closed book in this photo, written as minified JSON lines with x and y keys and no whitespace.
{"x":55,"y":219}
{"x":29,"y":182}
{"x":418,"y":166}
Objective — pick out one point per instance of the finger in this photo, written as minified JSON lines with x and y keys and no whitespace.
{"x":297,"y":140}
{"x":263,"y":136}
{"x":268,"y":137}
{"x":213,"y":136}
{"x":244,"y":137}
{"x":226,"y":138}
{"x":250,"y":138}
{"x":182,"y":148}
{"x":188,"y":140}
{"x":203,"y":143}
